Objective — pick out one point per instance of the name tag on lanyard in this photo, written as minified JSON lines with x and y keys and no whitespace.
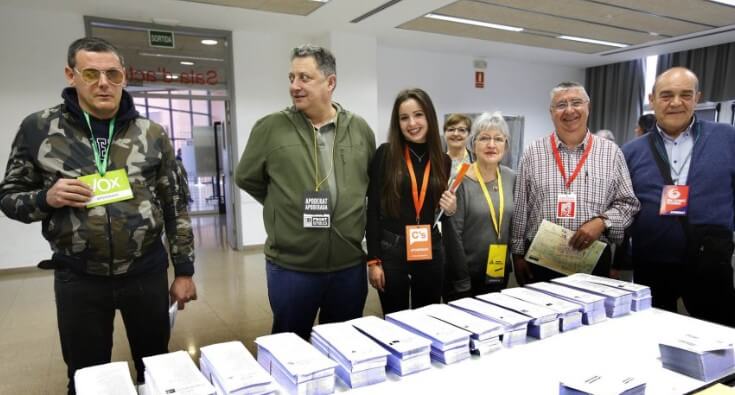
{"x":566,"y":206}
{"x":496,"y":255}
{"x":418,"y":243}
{"x":674,"y":200}
{"x":113,"y":187}
{"x":316,"y":210}
{"x":566,"y":203}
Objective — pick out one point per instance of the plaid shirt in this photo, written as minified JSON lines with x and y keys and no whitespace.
{"x":603,"y":188}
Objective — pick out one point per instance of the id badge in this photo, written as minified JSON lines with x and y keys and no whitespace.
{"x":418,"y":242}
{"x":110,"y":188}
{"x":674,"y":200}
{"x":566,"y":206}
{"x":496,"y":255}
{"x":316,"y":210}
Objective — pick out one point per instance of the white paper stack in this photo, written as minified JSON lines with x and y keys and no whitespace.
{"x":641,"y":293}
{"x":617,"y":301}
{"x":593,"y":306}
{"x":449,"y":344}
{"x":570,"y":313}
{"x":692,"y":355}
{"x":110,"y":378}
{"x":295,"y":364}
{"x":233,"y":371}
{"x":544,"y":322}
{"x":484,"y":334}
{"x":174,"y":373}
{"x":596,"y":384}
{"x":360,"y":361}
{"x":409,"y":353}
{"x":514,"y":325}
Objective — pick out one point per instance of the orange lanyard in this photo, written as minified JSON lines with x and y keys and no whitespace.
{"x":560,"y":165}
{"x":418,"y":199}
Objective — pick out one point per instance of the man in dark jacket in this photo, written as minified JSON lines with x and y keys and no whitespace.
{"x":683,"y":173}
{"x":103,"y":181}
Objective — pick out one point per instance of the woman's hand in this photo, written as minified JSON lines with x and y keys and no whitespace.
{"x":448,"y":203}
{"x":376,"y":277}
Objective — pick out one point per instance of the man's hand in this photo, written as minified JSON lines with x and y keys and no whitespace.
{"x":68,"y":192}
{"x":587,"y":233}
{"x":522,"y":270}
{"x":376,"y":277}
{"x":183,"y":290}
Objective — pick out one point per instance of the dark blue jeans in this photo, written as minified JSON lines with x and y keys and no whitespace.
{"x":85,"y":308}
{"x":296,"y":297}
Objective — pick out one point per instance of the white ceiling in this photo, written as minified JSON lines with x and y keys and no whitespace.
{"x":335,"y":16}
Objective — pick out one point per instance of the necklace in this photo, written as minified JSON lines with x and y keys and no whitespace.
{"x":420,"y":158}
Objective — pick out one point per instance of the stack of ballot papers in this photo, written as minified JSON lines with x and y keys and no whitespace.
{"x":593,"y":306}
{"x":409,"y":353}
{"x":110,"y":378}
{"x":233,"y":371}
{"x":449,"y":344}
{"x":174,"y":373}
{"x":484,"y":334}
{"x":641,"y":293}
{"x":617,"y":301}
{"x":597,"y":384}
{"x":544,"y":322}
{"x":515,"y":326}
{"x":570,"y":313}
{"x":295,"y":364}
{"x":702,"y":358}
{"x":360,"y":361}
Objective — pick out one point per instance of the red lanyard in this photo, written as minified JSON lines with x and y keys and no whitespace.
{"x":418,"y":200}
{"x":560,"y":165}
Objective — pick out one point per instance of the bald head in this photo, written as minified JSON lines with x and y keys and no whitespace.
{"x":674,"y":98}
{"x":679,"y":73}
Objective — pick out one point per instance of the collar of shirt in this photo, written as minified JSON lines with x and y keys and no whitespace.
{"x":585,"y":141}
{"x":683,"y":136}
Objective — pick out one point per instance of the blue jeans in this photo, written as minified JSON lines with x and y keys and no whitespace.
{"x":296,"y":297}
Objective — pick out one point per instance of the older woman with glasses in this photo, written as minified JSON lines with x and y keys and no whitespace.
{"x":481,"y":224}
{"x":456,"y":131}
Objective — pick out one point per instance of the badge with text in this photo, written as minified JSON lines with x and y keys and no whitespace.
{"x":110,"y":188}
{"x":316,"y":210}
{"x":566,"y":206}
{"x":674,"y":200}
{"x":418,"y":242}
{"x":496,"y":260}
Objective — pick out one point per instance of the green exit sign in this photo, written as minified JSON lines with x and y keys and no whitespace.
{"x":161,"y":39}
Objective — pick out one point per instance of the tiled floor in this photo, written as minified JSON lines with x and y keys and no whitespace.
{"x":232,"y":305}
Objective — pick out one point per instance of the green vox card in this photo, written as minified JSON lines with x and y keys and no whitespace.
{"x":113,"y":187}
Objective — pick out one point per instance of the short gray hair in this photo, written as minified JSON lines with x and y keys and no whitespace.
{"x":565,"y":86}
{"x":487,"y":121}
{"x":324,"y":59}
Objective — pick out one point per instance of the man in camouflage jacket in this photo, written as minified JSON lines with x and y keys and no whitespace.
{"x":108,"y":257}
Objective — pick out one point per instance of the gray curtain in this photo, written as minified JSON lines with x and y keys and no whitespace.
{"x":616,"y":97}
{"x":713,"y":65}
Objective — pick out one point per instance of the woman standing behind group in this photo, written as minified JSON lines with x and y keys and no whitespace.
{"x":408,"y":181}
{"x":481,"y":226}
{"x":456,"y":131}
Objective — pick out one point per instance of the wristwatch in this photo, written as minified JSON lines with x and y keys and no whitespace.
{"x":606,"y":221}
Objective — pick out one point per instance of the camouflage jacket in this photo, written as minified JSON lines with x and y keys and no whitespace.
{"x":108,"y":240}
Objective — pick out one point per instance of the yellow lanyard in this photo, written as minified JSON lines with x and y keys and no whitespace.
{"x":318,"y":183}
{"x":497,"y":224}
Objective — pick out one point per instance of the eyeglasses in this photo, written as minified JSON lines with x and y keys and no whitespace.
{"x":498,"y":140}
{"x":575,"y":104}
{"x":92,"y":76}
{"x":457,"y":130}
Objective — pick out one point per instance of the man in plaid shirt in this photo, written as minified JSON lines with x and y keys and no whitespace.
{"x":574,"y":179}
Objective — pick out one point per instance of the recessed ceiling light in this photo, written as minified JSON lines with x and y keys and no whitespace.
{"x":187,"y":63}
{"x":172,"y":77}
{"x":727,"y":2}
{"x":209,"y":42}
{"x":321,"y":1}
{"x":473,"y":22}
{"x":591,"y":41}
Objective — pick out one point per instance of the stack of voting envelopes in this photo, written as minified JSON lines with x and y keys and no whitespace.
{"x":570,"y":313}
{"x":544,"y":322}
{"x":295,"y":364}
{"x":703,"y":359}
{"x":233,"y":371}
{"x":515,"y":326}
{"x":409,"y":353}
{"x":641,"y":293}
{"x":617,"y":301}
{"x":449,"y":344}
{"x":593,"y":306}
{"x":597,"y":384}
{"x":174,"y":373}
{"x":110,"y":378}
{"x":484,"y":334}
{"x":360,"y":361}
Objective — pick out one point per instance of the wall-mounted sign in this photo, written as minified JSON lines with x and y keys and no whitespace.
{"x":163,"y":75}
{"x":161,"y":39}
{"x":479,"y":79}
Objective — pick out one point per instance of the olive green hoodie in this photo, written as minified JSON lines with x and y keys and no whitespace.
{"x":277,"y":167}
